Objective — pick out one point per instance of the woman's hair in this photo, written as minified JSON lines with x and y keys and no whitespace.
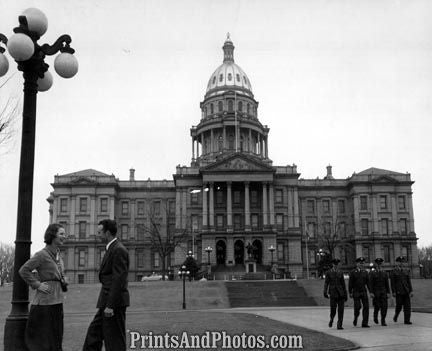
{"x":51,"y":232}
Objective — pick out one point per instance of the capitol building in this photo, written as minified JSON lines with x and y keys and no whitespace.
{"x":232,"y":197}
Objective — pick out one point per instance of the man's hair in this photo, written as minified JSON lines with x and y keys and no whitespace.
{"x":51,"y":232}
{"x":109,"y":225}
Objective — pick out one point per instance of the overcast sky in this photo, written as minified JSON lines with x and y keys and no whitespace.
{"x":346,"y":83}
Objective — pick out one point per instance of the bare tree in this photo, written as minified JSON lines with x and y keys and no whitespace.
{"x":162,"y":233}
{"x":9,"y":113}
{"x":331,"y":235}
{"x":425,"y":261}
{"x":7,"y":254}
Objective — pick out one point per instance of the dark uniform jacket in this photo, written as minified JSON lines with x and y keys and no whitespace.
{"x":400,"y":282}
{"x":334,"y":284}
{"x":379,"y":283}
{"x":358,"y":283}
{"x":113,"y":275}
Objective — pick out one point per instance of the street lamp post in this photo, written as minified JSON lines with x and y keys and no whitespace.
{"x":272,"y":249}
{"x":183,"y":273}
{"x":30,"y":57}
{"x":208,"y":250}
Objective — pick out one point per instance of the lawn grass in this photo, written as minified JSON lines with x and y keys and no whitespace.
{"x":157,"y":308}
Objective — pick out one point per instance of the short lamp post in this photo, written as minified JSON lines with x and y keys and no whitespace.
{"x":272,"y":250}
{"x":209,"y":250}
{"x":183,"y":273}
{"x":30,"y":57}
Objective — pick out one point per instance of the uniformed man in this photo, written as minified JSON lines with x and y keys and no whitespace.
{"x":401,"y":290}
{"x":334,"y":286}
{"x":358,"y":286}
{"x":379,"y":290}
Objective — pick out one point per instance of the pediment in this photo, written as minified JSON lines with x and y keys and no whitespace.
{"x":384,"y":179}
{"x":83,"y":181}
{"x":238,"y":163}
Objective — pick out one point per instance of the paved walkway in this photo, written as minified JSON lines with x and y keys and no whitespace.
{"x":394,"y":337}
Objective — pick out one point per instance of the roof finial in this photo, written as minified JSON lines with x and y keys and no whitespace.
{"x":228,"y":49}
{"x":228,"y":36}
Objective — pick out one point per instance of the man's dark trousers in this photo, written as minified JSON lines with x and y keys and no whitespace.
{"x":380,"y":303}
{"x":338,"y":302}
{"x":405,"y":301}
{"x":110,"y":328}
{"x":361,"y":302}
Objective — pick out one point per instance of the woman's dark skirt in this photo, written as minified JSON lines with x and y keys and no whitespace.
{"x":44,"y":330}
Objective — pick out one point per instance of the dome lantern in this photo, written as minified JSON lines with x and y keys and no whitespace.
{"x":228,"y":49}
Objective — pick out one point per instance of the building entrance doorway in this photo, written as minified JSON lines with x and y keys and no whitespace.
{"x":239,"y":252}
{"x":258,"y":251}
{"x":220,"y":252}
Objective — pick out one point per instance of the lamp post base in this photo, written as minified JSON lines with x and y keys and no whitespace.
{"x":14,"y":333}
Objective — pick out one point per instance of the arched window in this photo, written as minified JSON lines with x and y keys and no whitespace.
{"x":238,"y":77}
{"x":229,"y":76}
{"x":214,"y":79}
{"x":248,"y":109}
{"x":231,"y":142}
{"x":205,"y":111}
{"x":220,"y":77}
{"x":240,"y":106}
{"x":230,"y":106}
{"x":220,"y":106}
{"x":211,"y":108}
{"x":220,"y":143}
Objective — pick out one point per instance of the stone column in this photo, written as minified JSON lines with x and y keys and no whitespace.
{"x":296,"y":209}
{"x":375,"y":227}
{"x":93,"y":225}
{"x":229,"y":207}
{"x":193,"y":149}
{"x":132,"y":231}
{"x":183,"y":209}
{"x":112,"y":207}
{"x":224,"y":138}
{"x":265,"y":203}
{"x":178,"y":209}
{"x":356,"y":214}
{"x":72,"y":215}
{"x":55,"y":210}
{"x":271,"y":204}
{"x":250,"y":148}
{"x":247,"y":207}
{"x":266,"y":147}
{"x":202,"y":144}
{"x":211,"y":205}
{"x":290,"y":201}
{"x":211,"y":141}
{"x":204,"y":207}
{"x":411,"y":228}
{"x":395,"y":228}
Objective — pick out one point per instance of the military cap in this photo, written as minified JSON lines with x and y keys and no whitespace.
{"x":379,"y":260}
{"x":335,"y":260}
{"x":360,"y":259}
{"x":400,"y":259}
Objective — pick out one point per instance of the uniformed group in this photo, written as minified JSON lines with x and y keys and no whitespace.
{"x":376,"y":282}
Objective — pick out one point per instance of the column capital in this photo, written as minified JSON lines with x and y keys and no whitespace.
{"x":247,"y":183}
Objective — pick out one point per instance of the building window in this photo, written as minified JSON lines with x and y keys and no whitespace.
{"x":327,"y":228}
{"x":365,"y":226}
{"x":384,"y":226}
{"x":254,"y":197}
{"x":366,"y":253}
{"x":156,"y":260}
{"x":63,"y":205}
{"x":230,"y":106}
{"x":280,"y":252}
{"x":236,"y":197}
{"x":82,"y":258}
{"x":326,"y":206}
{"x":238,"y":77}
{"x":237,"y":222}
{"x":83,"y":204}
{"x":402,"y":202}
{"x":220,"y":77}
{"x":343,"y":256}
{"x":156,"y":208}
{"x":254,"y":221}
{"x":311,"y":229}
{"x":229,"y":76}
{"x":219,"y":221}
{"x":240,"y":106}
{"x":194,"y":223}
{"x":220,"y":106}
{"x":214,"y":79}
{"x":82,"y":229}
{"x":310,"y":206}
{"x":171,"y":208}
{"x":279,"y":221}
{"x":342,"y":229}
{"x":363,"y":203}
{"x":194,"y":198}
{"x":80,"y":278}
{"x":140,"y":232}
{"x":124,"y":231}
{"x":125,"y":208}
{"x":103,"y":205}
{"x":211,"y":108}
{"x":383,"y":202}
{"x":312,"y":257}
{"x":405,"y":252}
{"x":279,"y":196}
{"x":140,"y":258}
{"x":403,"y":226}
{"x":140,"y":208}
{"x":341,"y":206}
{"x":386,"y":253}
{"x":219,"y":197}
{"x":248,"y":109}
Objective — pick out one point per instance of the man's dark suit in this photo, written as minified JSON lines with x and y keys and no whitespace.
{"x":358,"y":284}
{"x":379,"y":286}
{"x":401,"y":286}
{"x":334,"y":286}
{"x":113,"y":275}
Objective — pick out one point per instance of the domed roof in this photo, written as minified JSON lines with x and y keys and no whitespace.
{"x":229,"y":75}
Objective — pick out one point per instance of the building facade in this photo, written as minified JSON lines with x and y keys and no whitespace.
{"x":232,"y":197}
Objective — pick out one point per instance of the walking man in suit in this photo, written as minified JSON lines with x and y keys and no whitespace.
{"x":402,"y":290}
{"x":108,"y":325}
{"x":379,"y":290}
{"x":358,"y":286}
{"x":334,"y":285}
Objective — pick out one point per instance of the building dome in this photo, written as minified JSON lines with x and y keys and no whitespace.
{"x":229,"y":75}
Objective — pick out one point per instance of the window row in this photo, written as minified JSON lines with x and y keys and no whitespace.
{"x":237,"y":197}
{"x":241,"y":107}
{"x":384,"y":226}
{"x":325,"y":206}
{"x":383,"y":202}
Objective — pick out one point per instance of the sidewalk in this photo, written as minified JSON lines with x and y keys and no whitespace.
{"x":394,"y":337}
